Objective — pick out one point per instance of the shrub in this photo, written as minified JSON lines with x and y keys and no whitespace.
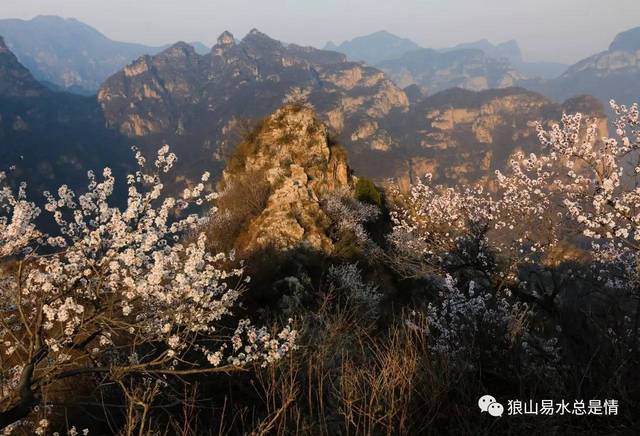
{"x":367,"y":192}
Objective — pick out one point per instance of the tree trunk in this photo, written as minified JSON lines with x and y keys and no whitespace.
{"x":25,"y":403}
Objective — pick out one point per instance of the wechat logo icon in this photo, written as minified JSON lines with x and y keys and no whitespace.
{"x":488,"y":403}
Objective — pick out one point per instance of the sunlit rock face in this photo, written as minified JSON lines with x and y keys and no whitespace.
{"x":465,"y":136}
{"x":291,"y":155}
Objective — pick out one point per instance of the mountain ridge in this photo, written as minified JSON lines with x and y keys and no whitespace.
{"x":70,"y":54}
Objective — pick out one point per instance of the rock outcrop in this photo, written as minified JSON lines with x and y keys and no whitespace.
{"x":290,"y":154}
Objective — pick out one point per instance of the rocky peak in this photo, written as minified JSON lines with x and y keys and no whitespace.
{"x":260,"y":41}
{"x":289,"y":153}
{"x":179,"y":50}
{"x":226,"y":38}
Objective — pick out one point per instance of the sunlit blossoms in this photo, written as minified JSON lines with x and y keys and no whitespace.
{"x":118,"y":291}
{"x":595,"y":180}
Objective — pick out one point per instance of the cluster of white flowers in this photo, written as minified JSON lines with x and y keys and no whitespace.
{"x":594,"y":179}
{"x":17,"y":215}
{"x":349,"y":216}
{"x":462,"y":325}
{"x":117,"y":279}
{"x":458,"y":317}
{"x":359,"y":295}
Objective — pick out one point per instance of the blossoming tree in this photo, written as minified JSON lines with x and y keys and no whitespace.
{"x":116,"y":293}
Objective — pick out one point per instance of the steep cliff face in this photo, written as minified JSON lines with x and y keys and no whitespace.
{"x":291,"y":159}
{"x":193,"y":102}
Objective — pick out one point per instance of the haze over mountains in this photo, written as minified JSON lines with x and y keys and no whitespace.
{"x":383,"y":46}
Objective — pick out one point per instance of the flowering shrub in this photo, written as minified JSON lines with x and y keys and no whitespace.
{"x":116,"y":292}
{"x":349,"y":217}
{"x":472,"y":326}
{"x":360,"y":296}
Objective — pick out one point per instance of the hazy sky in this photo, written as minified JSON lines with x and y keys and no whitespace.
{"x":555,"y":30}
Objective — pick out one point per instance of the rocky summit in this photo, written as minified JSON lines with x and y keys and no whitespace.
{"x":283,"y":169}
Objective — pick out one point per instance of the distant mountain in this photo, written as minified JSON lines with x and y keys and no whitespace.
{"x":614,"y":73}
{"x":200,"y":48}
{"x":510,"y":50}
{"x":67,"y":53}
{"x":628,"y":41}
{"x":374,"y":48}
{"x":52,"y":138}
{"x":463,"y":68}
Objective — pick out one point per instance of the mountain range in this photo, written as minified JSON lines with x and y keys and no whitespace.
{"x":198,"y":102}
{"x":384,"y":47}
{"x":611,"y":74}
{"x":68,"y":54}
{"x":436,"y":71}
